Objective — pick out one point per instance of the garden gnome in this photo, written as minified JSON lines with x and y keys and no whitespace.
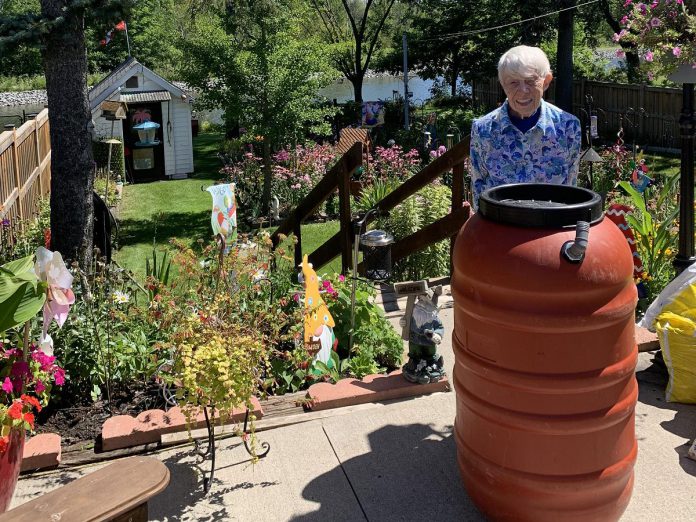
{"x":425,"y":331}
{"x":318,"y":323}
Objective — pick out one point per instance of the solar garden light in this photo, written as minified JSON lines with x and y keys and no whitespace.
{"x":376,"y":247}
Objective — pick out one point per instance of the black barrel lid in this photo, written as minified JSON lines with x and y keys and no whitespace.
{"x":540,"y":205}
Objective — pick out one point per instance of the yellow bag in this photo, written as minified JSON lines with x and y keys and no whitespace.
{"x":677,"y":335}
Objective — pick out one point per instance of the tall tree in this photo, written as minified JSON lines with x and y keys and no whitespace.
{"x":253,"y":60}
{"x":353,"y":28}
{"x":60,"y":26}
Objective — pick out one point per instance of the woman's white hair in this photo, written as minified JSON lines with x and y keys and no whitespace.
{"x":521,"y":60}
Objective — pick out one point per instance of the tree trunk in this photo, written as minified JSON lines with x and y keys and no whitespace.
{"x":267,"y":177}
{"x":357,"y":81}
{"x":72,"y":165}
{"x":564,"y":57}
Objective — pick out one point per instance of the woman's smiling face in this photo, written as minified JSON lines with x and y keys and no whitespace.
{"x":524,"y":92}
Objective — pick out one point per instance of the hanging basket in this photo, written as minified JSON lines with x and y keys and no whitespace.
{"x":10,"y":465}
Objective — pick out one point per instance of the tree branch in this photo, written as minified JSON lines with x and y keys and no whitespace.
{"x":375,"y":36}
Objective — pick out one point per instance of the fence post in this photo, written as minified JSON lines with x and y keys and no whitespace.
{"x":15,"y":167}
{"x":38,"y":157}
{"x":345,"y":217}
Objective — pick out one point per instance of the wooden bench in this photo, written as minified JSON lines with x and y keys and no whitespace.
{"x":118,"y":492}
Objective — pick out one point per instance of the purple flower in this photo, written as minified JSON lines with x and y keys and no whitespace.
{"x":649,"y":56}
{"x":5,"y":223}
{"x":677,"y":51}
{"x":643,"y":9}
{"x":655,"y":22}
{"x":624,"y":20}
{"x":7,"y":386}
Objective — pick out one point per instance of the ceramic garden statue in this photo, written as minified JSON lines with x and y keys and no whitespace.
{"x":224,"y":216}
{"x":425,"y":332}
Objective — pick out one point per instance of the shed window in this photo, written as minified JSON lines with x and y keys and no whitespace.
{"x":132,"y":82}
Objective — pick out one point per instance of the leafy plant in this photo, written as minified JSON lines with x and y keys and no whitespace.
{"x":653,"y":226}
{"x":157,"y":274}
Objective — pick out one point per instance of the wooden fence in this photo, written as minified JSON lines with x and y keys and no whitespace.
{"x":25,"y":172}
{"x":648,"y":115}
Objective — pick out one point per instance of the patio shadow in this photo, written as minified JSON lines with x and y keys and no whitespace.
{"x":410,"y":473}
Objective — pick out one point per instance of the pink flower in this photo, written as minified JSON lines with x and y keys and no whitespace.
{"x":680,"y":1}
{"x":620,"y":53}
{"x":649,"y":56}
{"x":676,"y":51}
{"x":624,"y":20}
{"x":651,"y":76}
{"x":616,"y":37}
{"x":627,"y":3}
{"x":326,"y":283}
{"x":655,"y":22}
{"x":39,"y":386}
{"x":59,"y":376}
{"x":7,"y":386}
{"x":341,"y":278}
{"x":296,"y":297}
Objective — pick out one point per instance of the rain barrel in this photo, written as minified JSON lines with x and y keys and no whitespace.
{"x":544,"y":356}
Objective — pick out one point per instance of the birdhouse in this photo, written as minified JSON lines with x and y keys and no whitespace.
{"x":114,"y":110}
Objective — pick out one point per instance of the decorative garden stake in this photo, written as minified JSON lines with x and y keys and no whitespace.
{"x":224,"y":216}
{"x":423,"y":329}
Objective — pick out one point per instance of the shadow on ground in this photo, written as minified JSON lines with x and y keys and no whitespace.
{"x":164,"y":226}
{"x":652,"y":383}
{"x":410,"y":473}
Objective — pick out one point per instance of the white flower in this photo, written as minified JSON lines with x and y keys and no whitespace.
{"x":120,"y":297}
{"x":46,"y":344}
{"x":50,"y":268}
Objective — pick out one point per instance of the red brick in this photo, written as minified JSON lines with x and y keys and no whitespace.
{"x":646,"y":340}
{"x":373,"y":388}
{"x":41,"y":451}
{"x":124,"y":431}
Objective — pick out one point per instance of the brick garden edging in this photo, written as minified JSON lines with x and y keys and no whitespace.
{"x":379,"y":387}
{"x":124,"y":431}
{"x":41,"y":451}
{"x":44,"y":450}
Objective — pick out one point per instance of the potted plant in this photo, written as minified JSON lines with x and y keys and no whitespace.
{"x":27,"y":370}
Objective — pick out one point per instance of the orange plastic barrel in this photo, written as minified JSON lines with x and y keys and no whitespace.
{"x":544,"y":357}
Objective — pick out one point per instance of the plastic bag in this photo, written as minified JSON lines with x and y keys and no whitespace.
{"x":677,"y":335}
{"x":679,"y":297}
{"x":673,"y":316}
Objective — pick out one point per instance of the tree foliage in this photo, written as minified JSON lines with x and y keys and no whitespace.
{"x":253,"y":60}
{"x":353,"y":29}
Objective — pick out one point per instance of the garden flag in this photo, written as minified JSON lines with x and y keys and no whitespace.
{"x":121,"y":26}
{"x":318,"y":323}
{"x":224,"y":216}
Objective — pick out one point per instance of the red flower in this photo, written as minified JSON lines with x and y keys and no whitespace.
{"x":15,"y":411}
{"x":32,"y":401}
{"x":47,"y":238}
{"x":29,"y":419}
{"x":3,"y":444}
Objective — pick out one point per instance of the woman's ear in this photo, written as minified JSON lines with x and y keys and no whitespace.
{"x":547,"y":81}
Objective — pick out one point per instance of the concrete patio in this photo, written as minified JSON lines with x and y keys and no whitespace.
{"x":393,"y":461}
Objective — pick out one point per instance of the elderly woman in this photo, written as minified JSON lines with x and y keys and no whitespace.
{"x":526,"y":140}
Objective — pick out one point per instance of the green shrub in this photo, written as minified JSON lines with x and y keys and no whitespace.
{"x":101,"y":157}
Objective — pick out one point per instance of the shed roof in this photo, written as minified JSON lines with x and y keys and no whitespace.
{"x":146,"y":96}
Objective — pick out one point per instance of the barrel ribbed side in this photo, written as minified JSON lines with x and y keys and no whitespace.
{"x":544,"y":372}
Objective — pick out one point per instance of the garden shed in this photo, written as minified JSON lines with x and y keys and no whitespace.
{"x":166,"y":152}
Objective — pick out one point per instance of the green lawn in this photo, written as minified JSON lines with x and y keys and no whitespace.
{"x":162,"y":210}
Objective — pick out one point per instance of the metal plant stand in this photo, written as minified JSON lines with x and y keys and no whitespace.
{"x":209,"y":450}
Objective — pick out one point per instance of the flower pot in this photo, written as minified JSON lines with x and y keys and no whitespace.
{"x":10,"y":464}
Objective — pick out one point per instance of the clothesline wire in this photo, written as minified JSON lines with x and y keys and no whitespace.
{"x":495,"y":28}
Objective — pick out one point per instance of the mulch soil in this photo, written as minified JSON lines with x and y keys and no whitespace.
{"x":82,"y":423}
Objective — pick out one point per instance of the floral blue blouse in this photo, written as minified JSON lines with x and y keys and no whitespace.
{"x":549,"y":152}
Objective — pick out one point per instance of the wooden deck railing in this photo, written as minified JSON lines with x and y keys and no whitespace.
{"x":25,"y":171}
{"x":339,"y":177}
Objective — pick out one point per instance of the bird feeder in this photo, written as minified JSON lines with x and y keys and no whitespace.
{"x":146,"y":133}
{"x":376,"y":247}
